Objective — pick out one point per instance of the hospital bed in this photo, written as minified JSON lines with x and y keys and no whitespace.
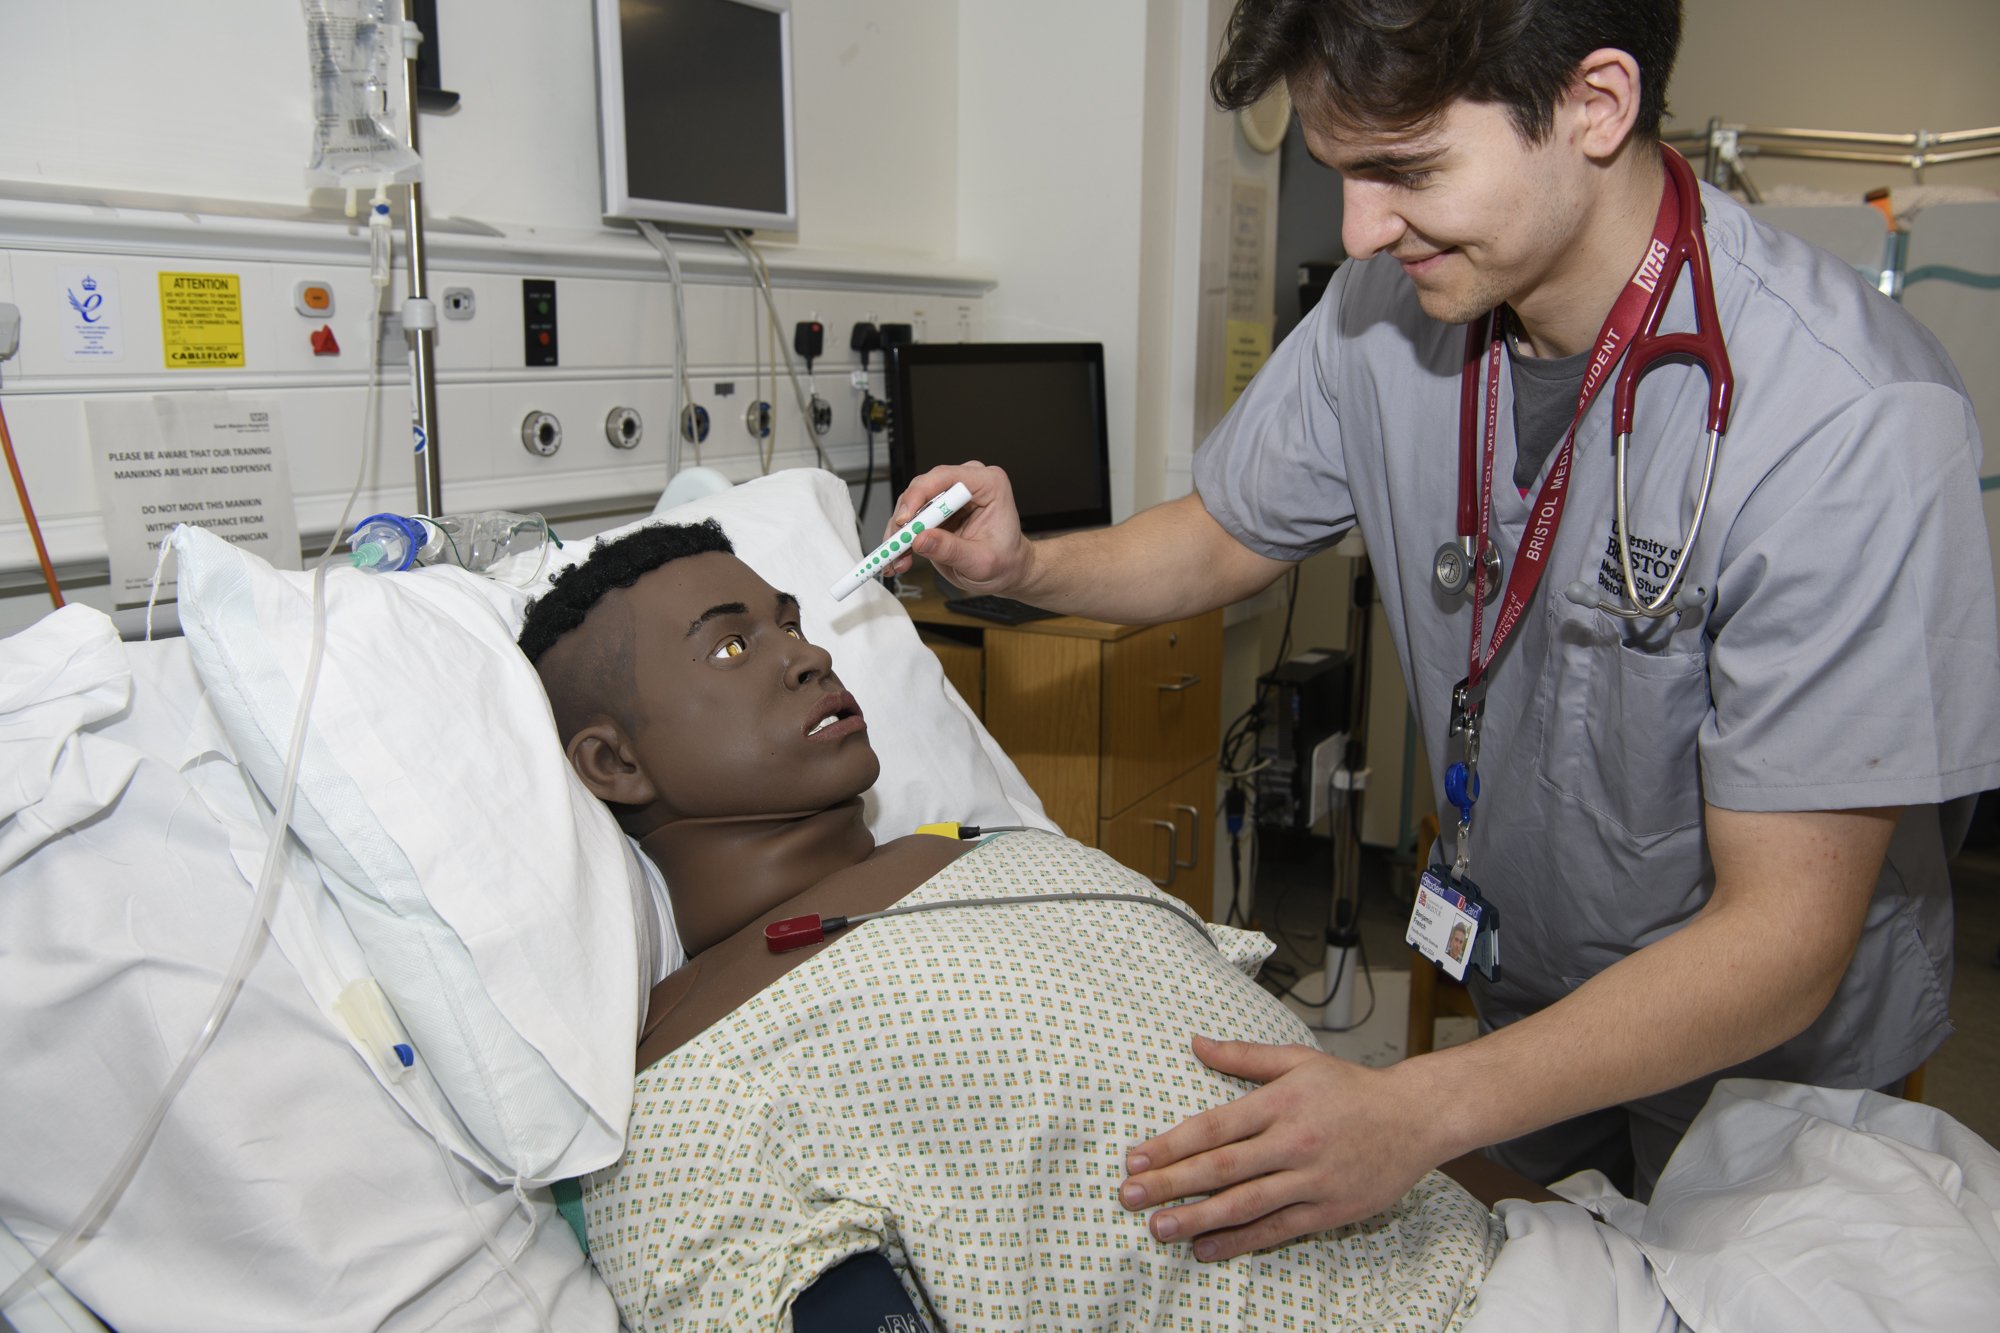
{"x":296,"y":1182}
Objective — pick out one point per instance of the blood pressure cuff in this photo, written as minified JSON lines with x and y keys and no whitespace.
{"x":859,"y":1295}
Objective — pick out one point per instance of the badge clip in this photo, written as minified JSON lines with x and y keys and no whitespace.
{"x":1455,"y":927}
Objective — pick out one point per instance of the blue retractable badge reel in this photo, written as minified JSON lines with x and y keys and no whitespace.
{"x":1461,"y":788}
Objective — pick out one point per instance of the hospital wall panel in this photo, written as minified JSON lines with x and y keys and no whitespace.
{"x":615,"y":339}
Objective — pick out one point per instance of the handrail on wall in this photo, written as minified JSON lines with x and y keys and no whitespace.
{"x":1724,"y":148}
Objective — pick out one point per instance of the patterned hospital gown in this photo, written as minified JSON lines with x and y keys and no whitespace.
{"x":958,"y":1089}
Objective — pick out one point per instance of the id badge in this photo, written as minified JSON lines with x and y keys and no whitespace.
{"x":1444,"y":925}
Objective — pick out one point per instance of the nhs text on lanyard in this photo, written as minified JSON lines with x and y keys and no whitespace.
{"x":1452,"y":924}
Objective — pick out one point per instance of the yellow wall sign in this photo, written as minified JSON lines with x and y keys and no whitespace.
{"x":1248,"y":348}
{"x":201,"y":319}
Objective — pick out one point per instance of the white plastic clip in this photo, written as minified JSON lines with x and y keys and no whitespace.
{"x":364,"y":1011}
{"x":419,"y":312}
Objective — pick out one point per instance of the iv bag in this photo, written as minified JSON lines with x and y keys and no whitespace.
{"x":354,"y":46}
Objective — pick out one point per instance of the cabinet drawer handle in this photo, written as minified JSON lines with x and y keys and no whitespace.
{"x":1194,"y":837}
{"x":1173,"y":850}
{"x":1187,"y":683}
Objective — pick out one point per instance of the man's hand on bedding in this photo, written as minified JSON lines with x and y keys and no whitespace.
{"x":1321,"y":1144}
{"x":983,"y":552}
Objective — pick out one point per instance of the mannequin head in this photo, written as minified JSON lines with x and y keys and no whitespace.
{"x":684,"y":687}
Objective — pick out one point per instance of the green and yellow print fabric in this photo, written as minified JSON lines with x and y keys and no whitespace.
{"x":958,"y":1089}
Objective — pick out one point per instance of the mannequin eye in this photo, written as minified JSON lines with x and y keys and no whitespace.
{"x":793,"y":630}
{"x":729,"y":647}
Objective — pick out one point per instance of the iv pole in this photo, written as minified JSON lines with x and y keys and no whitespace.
{"x":420,"y":318}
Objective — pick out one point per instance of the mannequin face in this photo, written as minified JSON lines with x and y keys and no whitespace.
{"x":728,"y":715}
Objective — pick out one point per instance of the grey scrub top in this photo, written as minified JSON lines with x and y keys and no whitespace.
{"x":1850,"y":656}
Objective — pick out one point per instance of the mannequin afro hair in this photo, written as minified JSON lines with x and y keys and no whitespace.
{"x":618,"y":564}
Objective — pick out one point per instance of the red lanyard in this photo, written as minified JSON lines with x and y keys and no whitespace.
{"x":1627,"y":314}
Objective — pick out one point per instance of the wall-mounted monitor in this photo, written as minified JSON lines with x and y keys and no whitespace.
{"x":1035,"y":409}
{"x":695,"y":112}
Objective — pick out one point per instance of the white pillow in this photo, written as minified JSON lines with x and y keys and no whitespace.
{"x":796,"y":529}
{"x":490,"y":892}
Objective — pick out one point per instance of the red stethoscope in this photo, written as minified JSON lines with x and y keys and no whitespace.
{"x":1631,"y":336}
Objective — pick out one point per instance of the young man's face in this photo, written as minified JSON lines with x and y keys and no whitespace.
{"x":1475,"y":215}
{"x":737,"y":713}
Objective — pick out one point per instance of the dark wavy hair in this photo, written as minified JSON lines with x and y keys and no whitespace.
{"x":616,"y":564}
{"x":1395,"y":65}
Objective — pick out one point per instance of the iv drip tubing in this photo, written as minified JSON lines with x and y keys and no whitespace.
{"x":247,"y":950}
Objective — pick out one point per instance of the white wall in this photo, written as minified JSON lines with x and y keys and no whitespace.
{"x":135,"y":95}
{"x":1051,"y":137}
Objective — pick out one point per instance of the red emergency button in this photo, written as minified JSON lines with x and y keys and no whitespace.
{"x":323,"y":342}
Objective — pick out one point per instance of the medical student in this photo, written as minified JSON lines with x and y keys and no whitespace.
{"x":1712,"y":838}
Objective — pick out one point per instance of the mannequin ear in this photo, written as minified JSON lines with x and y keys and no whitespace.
{"x":603,"y":756}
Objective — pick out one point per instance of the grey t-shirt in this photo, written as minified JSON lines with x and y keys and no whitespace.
{"x":1545,"y":390}
{"x":1850,"y":655}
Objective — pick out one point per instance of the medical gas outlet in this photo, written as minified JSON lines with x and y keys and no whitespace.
{"x":624,"y":428}
{"x":541,"y":434}
{"x":694,"y":423}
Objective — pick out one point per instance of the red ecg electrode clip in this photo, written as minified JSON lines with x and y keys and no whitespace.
{"x":794,"y":933}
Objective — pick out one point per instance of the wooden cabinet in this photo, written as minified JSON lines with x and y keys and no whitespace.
{"x":1166,"y":835}
{"x":1114,"y":726}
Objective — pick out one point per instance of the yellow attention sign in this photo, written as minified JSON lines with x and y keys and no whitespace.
{"x":201,"y":319}
{"x":1249,"y":346}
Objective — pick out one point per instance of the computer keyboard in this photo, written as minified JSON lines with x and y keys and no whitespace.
{"x":1004,"y":610}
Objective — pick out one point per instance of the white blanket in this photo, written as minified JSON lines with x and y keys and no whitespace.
{"x":958,"y":1089}
{"x":1786,"y":1207}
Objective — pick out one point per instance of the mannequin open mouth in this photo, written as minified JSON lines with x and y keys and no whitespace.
{"x":834,"y":717}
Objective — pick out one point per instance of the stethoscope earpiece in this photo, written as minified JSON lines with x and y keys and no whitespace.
{"x":1581,"y":593}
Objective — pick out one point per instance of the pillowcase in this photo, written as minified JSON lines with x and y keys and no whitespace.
{"x":490,"y":893}
{"x":796,"y":529}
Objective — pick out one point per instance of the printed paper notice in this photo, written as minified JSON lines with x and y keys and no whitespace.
{"x":210,"y":460}
{"x":1249,"y":347}
{"x":90,"y":316}
{"x":201,"y":319}
{"x":1248,"y":317}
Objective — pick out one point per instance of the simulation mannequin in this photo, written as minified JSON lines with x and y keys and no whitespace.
{"x":691,"y":703}
{"x":689,"y":699}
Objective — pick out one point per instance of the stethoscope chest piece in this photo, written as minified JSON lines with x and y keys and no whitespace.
{"x":1451,"y":567}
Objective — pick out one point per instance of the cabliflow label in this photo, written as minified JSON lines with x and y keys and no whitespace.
{"x":201,"y":320}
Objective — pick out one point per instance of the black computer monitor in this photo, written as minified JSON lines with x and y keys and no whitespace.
{"x":695,"y":112}
{"x":1035,"y":409}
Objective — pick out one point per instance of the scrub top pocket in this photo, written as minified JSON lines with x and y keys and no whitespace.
{"x":1620,"y":728}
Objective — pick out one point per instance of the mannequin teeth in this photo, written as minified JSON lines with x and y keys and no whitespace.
{"x":824,"y":723}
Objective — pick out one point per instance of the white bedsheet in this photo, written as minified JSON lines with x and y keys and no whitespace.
{"x":286,"y":1189}
{"x":1786,"y":1207}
